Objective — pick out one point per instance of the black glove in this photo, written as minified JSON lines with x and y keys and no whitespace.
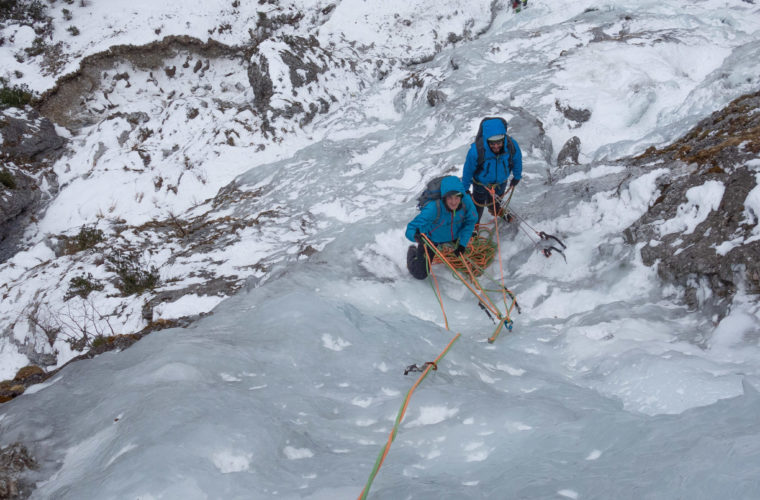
{"x":418,"y":237}
{"x":459,"y":251}
{"x":514,"y":182}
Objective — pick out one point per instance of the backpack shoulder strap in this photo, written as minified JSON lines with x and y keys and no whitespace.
{"x":511,"y":150}
{"x":480,"y":147}
{"x":481,"y":155}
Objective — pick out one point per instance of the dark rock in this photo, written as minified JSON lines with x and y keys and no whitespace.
{"x":719,"y":142}
{"x":267,"y":24}
{"x":15,"y":460}
{"x":28,"y":138}
{"x":435,"y":96}
{"x":568,"y":155}
{"x":16,"y":201}
{"x":306,"y":61}
{"x":575,"y":115}
{"x":26,"y":376}
{"x":692,"y":260}
{"x":30,"y":145}
{"x":600,"y":35}
{"x":303,"y":70}
{"x":31,"y":374}
{"x":712,"y":262}
{"x":261,"y":83}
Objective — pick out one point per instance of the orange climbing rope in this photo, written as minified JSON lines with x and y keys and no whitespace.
{"x":384,"y":453}
{"x":472,"y":264}
{"x":471,"y":283}
{"x":480,"y":251}
{"x":467,"y":268}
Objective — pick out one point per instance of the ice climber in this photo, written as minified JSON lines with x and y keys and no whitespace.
{"x":490,"y":168}
{"x":450,"y":219}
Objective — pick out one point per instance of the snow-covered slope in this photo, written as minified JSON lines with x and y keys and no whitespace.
{"x":287,"y":159}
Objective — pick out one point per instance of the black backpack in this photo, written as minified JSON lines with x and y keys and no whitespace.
{"x":432,"y":192}
{"x":482,"y":150}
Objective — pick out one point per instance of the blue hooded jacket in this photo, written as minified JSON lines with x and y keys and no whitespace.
{"x":450,"y":226}
{"x":495,"y":168}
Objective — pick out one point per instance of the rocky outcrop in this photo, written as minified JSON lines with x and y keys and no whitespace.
{"x":291,"y":78}
{"x":297,"y":90}
{"x":435,"y":97}
{"x":15,"y":461}
{"x":28,"y":137}
{"x":30,"y":145}
{"x":26,"y":376}
{"x":717,"y":253}
{"x":64,"y":103}
{"x":578,"y":116}
{"x":18,"y":193}
{"x":568,"y":155}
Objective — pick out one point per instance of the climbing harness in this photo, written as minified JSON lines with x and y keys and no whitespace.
{"x":497,"y":210}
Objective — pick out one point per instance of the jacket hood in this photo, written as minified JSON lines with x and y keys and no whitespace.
{"x":451,"y":183}
{"x":493,"y":127}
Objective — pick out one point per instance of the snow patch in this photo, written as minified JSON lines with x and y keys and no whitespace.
{"x":231,"y":461}
{"x":188,"y":305}
{"x":297,"y":453}
{"x":334,"y":344}
{"x":431,"y":415}
{"x":701,"y":200}
{"x":568,"y":494}
{"x":594,"y":455}
{"x":600,"y":171}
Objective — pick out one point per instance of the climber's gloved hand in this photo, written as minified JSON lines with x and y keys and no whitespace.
{"x":459,"y":251}
{"x":514,"y":182}
{"x":418,"y":237}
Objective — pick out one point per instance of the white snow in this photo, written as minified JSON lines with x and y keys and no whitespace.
{"x":297,"y":453}
{"x":604,"y":365}
{"x":591,"y":174}
{"x":701,"y":200}
{"x":187,"y":305}
{"x":431,"y":415}
{"x":334,"y":344}
{"x":752,"y":209}
{"x":568,"y":494}
{"x":594,"y":455}
{"x":231,"y":461}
